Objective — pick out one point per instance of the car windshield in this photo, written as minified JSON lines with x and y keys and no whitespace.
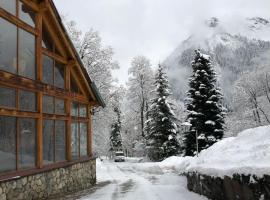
{"x":119,"y":154}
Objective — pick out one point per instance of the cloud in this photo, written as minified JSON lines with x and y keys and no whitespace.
{"x":152,"y":27}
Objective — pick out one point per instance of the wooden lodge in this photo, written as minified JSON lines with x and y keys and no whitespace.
{"x":46,"y":96}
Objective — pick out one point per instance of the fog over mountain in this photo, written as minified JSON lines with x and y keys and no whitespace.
{"x":235,"y":44}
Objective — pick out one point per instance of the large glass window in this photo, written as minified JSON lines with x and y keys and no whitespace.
{"x":26,"y":14}
{"x":75,"y":140}
{"x":27,"y":64}
{"x":27,"y":100}
{"x":7,"y":143}
{"x":53,"y":72}
{"x":75,"y":109}
{"x":83,"y":110}
{"x":54,"y":141}
{"x":59,"y":75}
{"x":83,"y":139}
{"x":7,"y":97}
{"x":60,"y":141}
{"x":47,"y":40}
{"x":52,"y":105}
{"x":8,"y":46}
{"x":27,"y":142}
{"x":48,"y":104}
{"x":9,"y":5}
{"x":60,"y":106}
{"x":47,"y":70}
{"x":48,"y":141}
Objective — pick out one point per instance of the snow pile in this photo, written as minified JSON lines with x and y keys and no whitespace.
{"x":248,"y":153}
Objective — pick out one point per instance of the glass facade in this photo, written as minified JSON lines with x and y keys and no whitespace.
{"x":36,"y":109}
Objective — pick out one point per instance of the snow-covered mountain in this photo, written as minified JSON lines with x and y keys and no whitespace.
{"x":234,"y":48}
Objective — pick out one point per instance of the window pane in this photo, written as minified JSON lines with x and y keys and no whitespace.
{"x":27,"y":144}
{"x":83,"y":139}
{"x":83,"y":110}
{"x":8,"y":46}
{"x":59,"y":106}
{"x":74,"y":86}
{"x":46,"y":39}
{"x":26,"y":14}
{"x":7,"y":97}
{"x":48,"y":104}
{"x":74,"y":140}
{"x":47,"y":70}
{"x":27,"y":100}
{"x":7,"y":143}
{"x":9,"y":5}
{"x":75,"y":107}
{"x":59,"y":75}
{"x":48,"y":141}
{"x":60,"y":141}
{"x":27,"y":54}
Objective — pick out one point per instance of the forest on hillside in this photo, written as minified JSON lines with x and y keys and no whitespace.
{"x":241,"y":75}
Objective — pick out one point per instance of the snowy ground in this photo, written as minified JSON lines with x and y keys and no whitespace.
{"x":122,"y":181}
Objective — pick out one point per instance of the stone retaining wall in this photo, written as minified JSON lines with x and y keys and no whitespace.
{"x":60,"y":181}
{"x":239,"y":187}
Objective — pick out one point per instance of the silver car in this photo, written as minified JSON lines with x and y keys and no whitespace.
{"x":119,"y":156}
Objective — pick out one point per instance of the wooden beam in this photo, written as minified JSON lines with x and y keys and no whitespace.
{"x":15,"y":113}
{"x":31,"y":5}
{"x":11,"y":18}
{"x":39,"y":132}
{"x":14,"y":81}
{"x":39,"y":46}
{"x":90,"y":135}
{"x":44,"y":6}
{"x":68,"y":131}
{"x":54,"y":56}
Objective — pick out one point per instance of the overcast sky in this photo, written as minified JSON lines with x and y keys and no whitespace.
{"x":152,"y":28}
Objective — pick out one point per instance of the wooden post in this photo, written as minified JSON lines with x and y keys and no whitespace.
{"x":68,"y":112}
{"x":39,"y":141}
{"x":90,"y":134}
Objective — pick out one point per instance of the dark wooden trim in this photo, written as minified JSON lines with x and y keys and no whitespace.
{"x":8,"y":176}
{"x":31,"y":5}
{"x":15,"y":113}
{"x":14,"y":81}
{"x":54,"y":56}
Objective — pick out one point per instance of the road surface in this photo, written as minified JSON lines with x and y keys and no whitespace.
{"x":121,"y":181}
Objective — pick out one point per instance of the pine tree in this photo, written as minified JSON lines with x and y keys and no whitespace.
{"x":205,"y":112}
{"x":115,"y":138}
{"x":161,"y":127}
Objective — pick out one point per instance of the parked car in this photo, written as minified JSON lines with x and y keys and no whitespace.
{"x":119,"y":156}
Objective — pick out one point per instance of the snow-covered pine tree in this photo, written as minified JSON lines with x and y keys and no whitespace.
{"x":161,"y":127}
{"x":205,"y":112}
{"x":115,"y":138}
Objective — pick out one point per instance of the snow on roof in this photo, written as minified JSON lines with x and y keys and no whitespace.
{"x":248,"y":153}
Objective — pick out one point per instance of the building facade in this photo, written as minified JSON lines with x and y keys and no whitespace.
{"x":46,"y":101}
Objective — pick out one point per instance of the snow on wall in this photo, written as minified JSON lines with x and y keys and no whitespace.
{"x":248,"y":153}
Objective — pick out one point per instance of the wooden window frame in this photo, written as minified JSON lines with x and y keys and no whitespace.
{"x":16,"y":82}
{"x":21,"y":25}
{"x":55,"y":59}
{"x":79,"y":120}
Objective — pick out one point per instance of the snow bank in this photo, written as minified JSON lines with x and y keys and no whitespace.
{"x":248,"y":153}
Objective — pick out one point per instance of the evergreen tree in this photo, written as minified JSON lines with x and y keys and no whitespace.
{"x":115,"y":138}
{"x":205,"y":112}
{"x":161,"y":127}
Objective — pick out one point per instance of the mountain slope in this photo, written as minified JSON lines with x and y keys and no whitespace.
{"x":232,"y":53}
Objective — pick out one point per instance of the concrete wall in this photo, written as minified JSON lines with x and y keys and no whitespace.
{"x":51,"y":183}
{"x":239,"y":187}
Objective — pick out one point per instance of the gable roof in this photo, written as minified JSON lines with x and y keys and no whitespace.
{"x":91,"y":83}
